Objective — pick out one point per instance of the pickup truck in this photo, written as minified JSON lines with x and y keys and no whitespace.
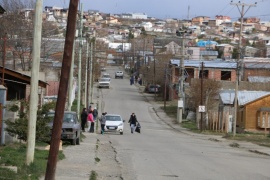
{"x":119,"y":74}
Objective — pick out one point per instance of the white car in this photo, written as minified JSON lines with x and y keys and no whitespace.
{"x":114,"y":123}
{"x":104,"y":83}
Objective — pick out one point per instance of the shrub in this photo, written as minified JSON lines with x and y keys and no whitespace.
{"x":19,"y":127}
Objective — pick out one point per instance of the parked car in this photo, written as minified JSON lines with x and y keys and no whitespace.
{"x":119,"y":74}
{"x":104,"y":83}
{"x":71,"y":127}
{"x":153,"y":88}
{"x":114,"y":123}
{"x":102,"y":69}
{"x":106,"y":75}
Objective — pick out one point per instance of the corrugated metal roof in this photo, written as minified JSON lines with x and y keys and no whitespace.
{"x":207,"y":64}
{"x":258,"y":79}
{"x":257,"y":65}
{"x":208,"y":53}
{"x":244,"y":97}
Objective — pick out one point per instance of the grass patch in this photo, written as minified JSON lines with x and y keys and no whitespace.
{"x":97,"y":159}
{"x":258,"y":139}
{"x":235,"y":145}
{"x":191,"y":125}
{"x":170,"y":110}
{"x":15,"y":155}
{"x":93,"y":175}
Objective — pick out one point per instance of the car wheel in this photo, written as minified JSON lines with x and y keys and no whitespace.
{"x":121,"y":133}
{"x":78,"y":141}
{"x":73,"y":141}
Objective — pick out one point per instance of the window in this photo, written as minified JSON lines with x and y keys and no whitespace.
{"x":225,"y":75}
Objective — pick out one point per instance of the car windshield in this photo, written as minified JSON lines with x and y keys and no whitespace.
{"x":113,"y":118}
{"x":106,"y":76}
{"x":104,"y":80}
{"x":68,"y":117}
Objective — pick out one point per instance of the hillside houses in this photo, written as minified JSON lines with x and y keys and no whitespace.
{"x":137,"y":41}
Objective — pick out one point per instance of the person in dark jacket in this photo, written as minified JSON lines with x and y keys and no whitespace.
{"x":132,"y":121}
{"x":84,"y":115}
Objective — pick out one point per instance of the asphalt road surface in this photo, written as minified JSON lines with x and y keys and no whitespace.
{"x":163,"y":150}
{"x":160,"y":152}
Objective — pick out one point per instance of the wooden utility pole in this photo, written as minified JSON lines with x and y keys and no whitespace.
{"x":239,"y":64}
{"x":4,"y":58}
{"x":62,"y":93}
{"x":202,"y":76}
{"x":31,"y":134}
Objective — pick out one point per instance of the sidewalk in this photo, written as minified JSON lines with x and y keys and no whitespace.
{"x":170,"y":122}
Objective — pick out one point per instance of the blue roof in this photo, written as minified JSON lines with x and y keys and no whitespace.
{"x":206,"y":43}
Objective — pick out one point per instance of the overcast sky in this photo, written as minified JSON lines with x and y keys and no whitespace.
{"x":172,"y":8}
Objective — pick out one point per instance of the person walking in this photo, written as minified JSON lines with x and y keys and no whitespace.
{"x":95,"y":113}
{"x":132,"y":121}
{"x":83,"y":119}
{"x":91,"y":122}
{"x":103,"y":122}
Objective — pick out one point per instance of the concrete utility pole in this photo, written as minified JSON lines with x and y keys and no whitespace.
{"x":62,"y":93}
{"x":71,"y":78}
{"x":31,"y":133}
{"x":91,"y":72}
{"x":86,"y":76}
{"x":80,"y":64}
{"x":239,"y":64}
{"x":181,"y":93}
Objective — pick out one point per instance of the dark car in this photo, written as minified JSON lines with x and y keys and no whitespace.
{"x":71,"y":127}
{"x":153,"y":88}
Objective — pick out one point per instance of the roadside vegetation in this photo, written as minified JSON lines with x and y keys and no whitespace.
{"x":14,"y":155}
{"x":256,"y":138}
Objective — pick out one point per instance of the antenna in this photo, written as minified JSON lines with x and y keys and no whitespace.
{"x":188,"y":12}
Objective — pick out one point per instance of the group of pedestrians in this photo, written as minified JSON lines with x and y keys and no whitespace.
{"x":89,"y":116}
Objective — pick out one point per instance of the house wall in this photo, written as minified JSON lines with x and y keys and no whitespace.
{"x":251,"y":111}
{"x":255,"y":72}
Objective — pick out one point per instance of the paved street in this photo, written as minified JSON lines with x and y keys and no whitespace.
{"x":163,"y":150}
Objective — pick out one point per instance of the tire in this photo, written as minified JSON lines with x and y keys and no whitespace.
{"x":73,"y":141}
{"x":121,"y":133}
{"x":78,"y":141}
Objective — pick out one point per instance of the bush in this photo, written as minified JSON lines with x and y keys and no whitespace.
{"x":19,"y":127}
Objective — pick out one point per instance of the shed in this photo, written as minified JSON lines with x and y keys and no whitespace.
{"x":250,"y":105}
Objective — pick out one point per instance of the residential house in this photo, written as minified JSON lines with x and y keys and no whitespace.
{"x":226,"y":50}
{"x":199,"y":20}
{"x":17,"y":84}
{"x":216,"y":70}
{"x":221,"y":19}
{"x":148,"y":26}
{"x":207,"y":44}
{"x":251,"y":20}
{"x":252,"y":109}
{"x":193,"y":53}
{"x":268,"y":50}
{"x":250,"y":51}
{"x":255,"y":68}
{"x":161,"y":44}
{"x":208,"y":55}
